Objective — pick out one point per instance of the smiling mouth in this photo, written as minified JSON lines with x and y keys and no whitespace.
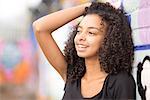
{"x":81,"y":48}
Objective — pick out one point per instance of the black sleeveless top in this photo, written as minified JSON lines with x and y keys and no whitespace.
{"x":119,"y":86}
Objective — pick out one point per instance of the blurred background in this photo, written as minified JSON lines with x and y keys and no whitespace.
{"x":25,"y":73}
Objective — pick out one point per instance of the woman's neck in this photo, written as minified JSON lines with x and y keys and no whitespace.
{"x":93,"y":69}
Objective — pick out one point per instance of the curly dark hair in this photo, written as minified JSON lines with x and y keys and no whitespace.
{"x":116,"y":52}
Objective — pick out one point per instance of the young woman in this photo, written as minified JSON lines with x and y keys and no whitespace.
{"x":98,"y":55}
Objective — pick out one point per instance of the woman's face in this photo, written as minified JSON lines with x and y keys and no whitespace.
{"x":89,"y":37}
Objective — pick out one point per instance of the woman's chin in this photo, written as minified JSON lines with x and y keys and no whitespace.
{"x":81,"y":55}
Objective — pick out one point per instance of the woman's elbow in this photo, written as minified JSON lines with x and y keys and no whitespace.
{"x":36,"y":27}
{"x":40,"y":27}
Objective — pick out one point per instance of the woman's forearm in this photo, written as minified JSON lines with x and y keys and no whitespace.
{"x":57,"y":19}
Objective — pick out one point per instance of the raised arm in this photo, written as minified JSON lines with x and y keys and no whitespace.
{"x":43,"y":28}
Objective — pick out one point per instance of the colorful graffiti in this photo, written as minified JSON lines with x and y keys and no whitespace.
{"x":16,"y":61}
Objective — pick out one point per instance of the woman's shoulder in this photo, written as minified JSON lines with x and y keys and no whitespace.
{"x":121,"y":86}
{"x":121,"y":78}
{"x":121,"y":75}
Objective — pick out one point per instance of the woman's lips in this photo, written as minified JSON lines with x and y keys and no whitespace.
{"x":81,"y":47}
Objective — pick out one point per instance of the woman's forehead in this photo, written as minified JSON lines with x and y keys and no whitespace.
{"x":92,"y":20}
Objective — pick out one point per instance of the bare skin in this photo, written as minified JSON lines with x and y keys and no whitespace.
{"x":93,"y":80}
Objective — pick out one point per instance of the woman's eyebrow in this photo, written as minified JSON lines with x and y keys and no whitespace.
{"x":98,"y":29}
{"x":94,"y":28}
{"x":80,"y":27}
{"x":90,"y":27}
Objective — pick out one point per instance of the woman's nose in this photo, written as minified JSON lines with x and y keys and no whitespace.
{"x":82,"y":36}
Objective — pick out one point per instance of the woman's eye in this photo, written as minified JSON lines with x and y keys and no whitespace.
{"x":78,"y":32}
{"x":91,"y":33}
